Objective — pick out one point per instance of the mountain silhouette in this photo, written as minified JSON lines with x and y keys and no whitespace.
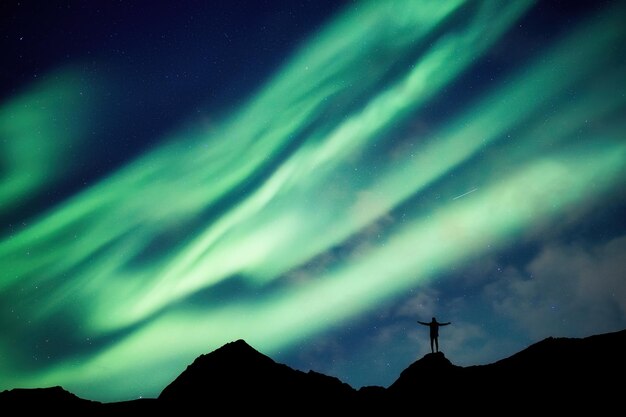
{"x":29,"y":401}
{"x":555,"y":374}
{"x":236,"y":370}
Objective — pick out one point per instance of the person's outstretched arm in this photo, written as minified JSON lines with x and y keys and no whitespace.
{"x":445,"y":324}
{"x":425,"y":324}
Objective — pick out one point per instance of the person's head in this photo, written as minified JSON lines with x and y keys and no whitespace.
{"x":434,"y":320}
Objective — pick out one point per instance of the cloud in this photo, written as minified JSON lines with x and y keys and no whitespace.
{"x":477,"y":272}
{"x":567,"y":290}
{"x":422,"y":306}
{"x":456,"y":339}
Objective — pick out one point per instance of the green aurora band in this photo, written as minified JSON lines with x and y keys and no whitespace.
{"x":322,"y":156}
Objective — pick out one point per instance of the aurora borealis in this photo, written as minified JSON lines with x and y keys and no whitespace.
{"x":401,"y":159}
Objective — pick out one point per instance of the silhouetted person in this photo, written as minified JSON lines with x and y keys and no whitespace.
{"x":434,"y":333}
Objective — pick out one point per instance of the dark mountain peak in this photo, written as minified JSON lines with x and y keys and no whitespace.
{"x":238,"y":345}
{"x":234,"y":366}
{"x":238,"y":370}
{"x":433,"y":360}
{"x":431,"y":363}
{"x":433,"y":369}
{"x":32,"y":399}
{"x":235,"y":353}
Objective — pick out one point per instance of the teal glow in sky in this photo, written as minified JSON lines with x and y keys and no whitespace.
{"x":405,"y":159}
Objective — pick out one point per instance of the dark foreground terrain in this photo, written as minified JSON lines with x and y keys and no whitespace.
{"x":555,"y":374}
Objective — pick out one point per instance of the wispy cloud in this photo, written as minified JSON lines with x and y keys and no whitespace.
{"x":566,"y":290}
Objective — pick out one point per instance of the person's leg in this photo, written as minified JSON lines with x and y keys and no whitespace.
{"x":431,"y":345}
{"x":437,"y":343}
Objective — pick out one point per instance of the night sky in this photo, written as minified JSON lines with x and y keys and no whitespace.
{"x":313,"y":177}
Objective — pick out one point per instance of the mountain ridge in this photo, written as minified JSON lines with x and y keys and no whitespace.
{"x":553,"y":371}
